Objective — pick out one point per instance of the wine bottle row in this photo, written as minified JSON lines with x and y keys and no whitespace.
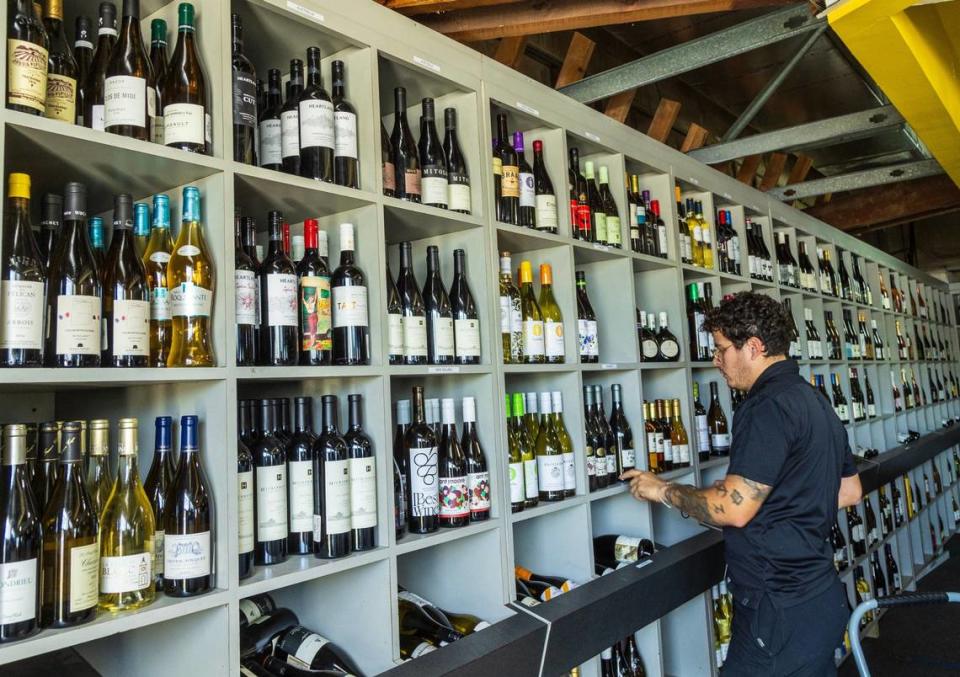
{"x":656,"y":345}
{"x":424,"y":627}
{"x":648,"y":232}
{"x":523,"y":196}
{"x":540,"y":450}
{"x":77,"y":542}
{"x":534,"y":588}
{"x":531,"y":326}
{"x":622,"y":660}
{"x":67,"y":304}
{"x":699,"y":303}
{"x":594,"y":216}
{"x":440,"y":479}
{"x":612,"y":551}
{"x":431,"y":326}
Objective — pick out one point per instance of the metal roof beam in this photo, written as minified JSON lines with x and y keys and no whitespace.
{"x":810,"y":135}
{"x":856,"y":180}
{"x":693,"y":54}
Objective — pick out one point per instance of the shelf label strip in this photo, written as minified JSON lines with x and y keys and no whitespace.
{"x":420,"y":61}
{"x":305,"y":11}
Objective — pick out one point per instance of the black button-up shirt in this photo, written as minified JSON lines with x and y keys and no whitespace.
{"x":786,"y":435}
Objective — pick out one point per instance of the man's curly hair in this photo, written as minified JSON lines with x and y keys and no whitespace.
{"x":750,"y":314}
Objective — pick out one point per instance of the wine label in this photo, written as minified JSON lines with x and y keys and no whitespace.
{"x":871,"y":410}
{"x":414,"y":335}
{"x":61,"y":101}
{"x":670,"y":348}
{"x":587,"y":339}
{"x":271,"y":135}
{"x":190,"y":300}
{"x":626,"y":549}
{"x":18,"y":594}
{"x":26,"y":75}
{"x":363,"y":492}
{"x":281,"y":300}
{"x":411,"y":181}
{"x":681,"y":453}
{"x":433,"y":184}
{"x":349,"y":307}
{"x":126,"y":573}
{"x":245,"y":290}
{"x":614,"y":236}
{"x":78,"y":325}
{"x":569,"y":471}
{"x":662,"y":239}
{"x":336,"y":492}
{"x":131,"y":328}
{"x":510,"y":181}
{"x":667,"y":445}
{"x":97,"y":117}
{"x":84,"y":569}
{"x":423,"y":481}
{"x":300,"y":495}
{"x":458,"y":192}
{"x":628,"y":458}
{"x":531,"y":479}
{"x":156,"y":127}
{"x":600,"y":226}
{"x":553,"y":332}
{"x":158,"y":542}
{"x":125,"y":101}
{"x":389,"y":175}
{"x":720,"y":440}
{"x":533,"y":340}
{"x":317,"y":124}
{"x":345,"y":133}
{"x":497,"y":166}
{"x":302,"y":646}
{"x":395,"y":334}
{"x":271,"y":503}
{"x":315,"y":313}
{"x":454,"y":499}
{"x":443,"y":336}
{"x":550,"y":472}
{"x":245,"y":511}
{"x":591,"y":462}
{"x":184,"y":123}
{"x":517,"y":493}
{"x":290,"y":133}
{"x":159,"y":303}
{"x":478,"y":487}
{"x":22,"y":308}
{"x":649,"y":349}
{"x":527,"y":191}
{"x":467,"y":337}
{"x":244,"y":100}
{"x":421,"y":649}
{"x":546,"y":212}
{"x":186,"y":556}
{"x":611,"y":464}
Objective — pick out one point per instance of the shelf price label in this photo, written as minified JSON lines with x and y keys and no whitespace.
{"x":608,"y":365}
{"x":644,"y":563}
{"x":601,"y":247}
{"x":590,"y":135}
{"x":727,"y":196}
{"x":420,"y":61}
{"x":305,"y":11}
{"x":695,"y":181}
{"x":443,"y":370}
{"x":527,"y":109}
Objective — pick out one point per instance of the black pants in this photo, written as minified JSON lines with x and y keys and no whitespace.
{"x":798,"y":641}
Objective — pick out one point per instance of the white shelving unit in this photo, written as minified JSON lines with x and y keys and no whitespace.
{"x":353,"y":600}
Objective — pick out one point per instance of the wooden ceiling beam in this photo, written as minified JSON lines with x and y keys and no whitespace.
{"x":576,"y":60}
{"x":748,"y":169}
{"x":696,"y":137}
{"x":664,"y":119}
{"x":772,"y":170}
{"x":801,"y":167}
{"x":510,"y":50}
{"x":619,"y":105}
{"x":417,"y":7}
{"x":546,"y":16}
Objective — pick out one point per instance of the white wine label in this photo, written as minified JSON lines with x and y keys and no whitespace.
{"x":98,"y":119}
{"x":84,"y":569}
{"x":583,"y":338}
{"x":423,"y":481}
{"x":186,"y":556}
{"x":281,"y":300}
{"x":611,"y":461}
{"x":720,"y":440}
{"x":594,"y":333}
{"x":158,"y":542}
{"x":26,"y":75}
{"x":18,"y":594}
{"x":458,"y":196}
{"x":626,"y":549}
{"x":591,"y":463}
{"x":670,"y":348}
{"x":517,"y":493}
{"x":78,"y":325}
{"x":363,"y":492}
{"x":533,"y":341}
{"x":290,"y":134}
{"x":628,"y":458}
{"x":546,"y":212}
{"x":345,"y":131}
{"x":531,"y":479}
{"x":316,"y":124}
{"x":662,"y":238}
{"x":308,"y":648}
{"x":190,"y":300}
{"x":300,"y":495}
{"x":160,"y":257}
{"x":245,"y":289}
{"x":505,"y":315}
{"x":156,"y":129}
{"x":527,"y":192}
{"x":271,"y":135}
{"x":336,"y":492}
{"x":478,"y":485}
{"x":395,"y":334}
{"x":433,"y":185}
{"x":159,"y":304}
{"x":183,"y":123}
{"x":614,"y":236}
{"x":550,"y":472}
{"x":553,"y":331}
{"x":414,"y":335}
{"x":271,"y":503}
{"x":569,"y":471}
{"x":125,"y":101}
{"x":649,"y":349}
{"x":681,"y":453}
{"x":668,"y":450}
{"x":421,"y":649}
{"x":349,"y":307}
{"x":208,"y":128}
{"x":61,"y":98}
{"x":131,"y":328}
{"x":510,"y":182}
{"x":454,"y":501}
{"x":600,"y":226}
{"x":443,"y":336}
{"x":467,"y":337}
{"x":245,"y":511}
{"x":22,"y":308}
{"x":126,"y":573}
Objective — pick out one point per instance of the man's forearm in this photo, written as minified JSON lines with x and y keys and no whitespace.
{"x":694,"y":502}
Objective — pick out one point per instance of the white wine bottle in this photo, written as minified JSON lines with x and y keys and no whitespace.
{"x":552,"y":317}
{"x":126,"y":532}
{"x":534,"y":349}
{"x":98,"y":479}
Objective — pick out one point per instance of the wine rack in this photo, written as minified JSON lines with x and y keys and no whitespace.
{"x":353,"y":600}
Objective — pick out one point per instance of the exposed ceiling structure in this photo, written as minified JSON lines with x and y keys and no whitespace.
{"x":760,"y":89}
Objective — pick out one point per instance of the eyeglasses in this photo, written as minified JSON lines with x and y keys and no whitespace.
{"x":718,"y":351}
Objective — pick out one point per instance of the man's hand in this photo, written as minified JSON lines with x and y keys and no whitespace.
{"x":645,"y":486}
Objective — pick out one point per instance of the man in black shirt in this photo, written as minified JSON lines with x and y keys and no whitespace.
{"x":790,"y":470}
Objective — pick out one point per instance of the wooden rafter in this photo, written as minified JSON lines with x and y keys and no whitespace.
{"x":801,"y":167}
{"x":772,"y":170}
{"x":748,"y":169}
{"x":416,"y":7}
{"x":510,"y":50}
{"x":618,"y":106}
{"x":696,"y":137}
{"x":663,"y":120}
{"x":576,"y":60}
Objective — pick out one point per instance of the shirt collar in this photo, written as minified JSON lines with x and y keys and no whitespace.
{"x":788,"y":367}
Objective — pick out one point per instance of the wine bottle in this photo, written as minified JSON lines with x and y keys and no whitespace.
{"x":545,"y":199}
{"x":253,"y":608}
{"x":62,"y":69}
{"x":478,"y":475}
{"x":452,"y":472}
{"x":188,"y":516}
{"x":597,"y":208}
{"x":48,"y":464}
{"x":622,"y":434}
{"x":400,"y":462}
{"x":155,"y":259}
{"x":157,"y":487}
{"x":566,"y":444}
{"x":290,"y":120}
{"x":351,"y":331}
{"x":531,"y":418}
{"x":23,"y":282}
{"x":128,"y":85}
{"x":394,"y":322}
{"x":420,"y":448}
{"x":270,"y":488}
{"x":191,"y":281}
{"x":511,"y":318}
{"x":612,"y":222}
{"x":534,"y":343}
{"x":51,"y":221}
{"x":186,"y":119}
{"x":83,"y":55}
{"x":270,"y":153}
{"x":527,"y":211}
{"x":588,"y":340}
{"x":283,"y":431}
{"x":93,"y":85}
{"x":141,"y":228}
{"x":316,"y":343}
{"x":331,"y":489}
{"x":611,"y":549}
{"x":74,"y":291}
{"x":717,"y":424}
{"x":311,"y":121}
{"x":433,"y":162}
{"x":244,"y":97}
{"x":550,"y":472}
{"x":458,"y":176}
{"x":515,"y":460}
{"x":466,"y":318}
{"x":278,"y":298}
{"x":27,"y":61}
{"x":388,"y":174}
{"x":413,"y":314}
{"x":98,"y":479}
{"x":508,"y":204}
{"x":668,"y":349}
{"x":245,"y":298}
{"x":126,"y":532}
{"x":363,"y":479}
{"x":597,"y":451}
{"x":345,"y":156}
{"x":97,"y":244}
{"x":245,"y":499}
{"x":552,"y":318}
{"x":609,"y":440}
{"x":419,"y":617}
{"x":299,"y":453}
{"x":126,"y":297}
{"x":439,"y":315}
{"x":406,"y":156}
{"x":300,"y":647}
{"x":258,"y":637}
{"x":158,"y":63}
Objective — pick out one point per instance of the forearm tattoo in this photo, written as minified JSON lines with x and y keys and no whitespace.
{"x":691,"y":501}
